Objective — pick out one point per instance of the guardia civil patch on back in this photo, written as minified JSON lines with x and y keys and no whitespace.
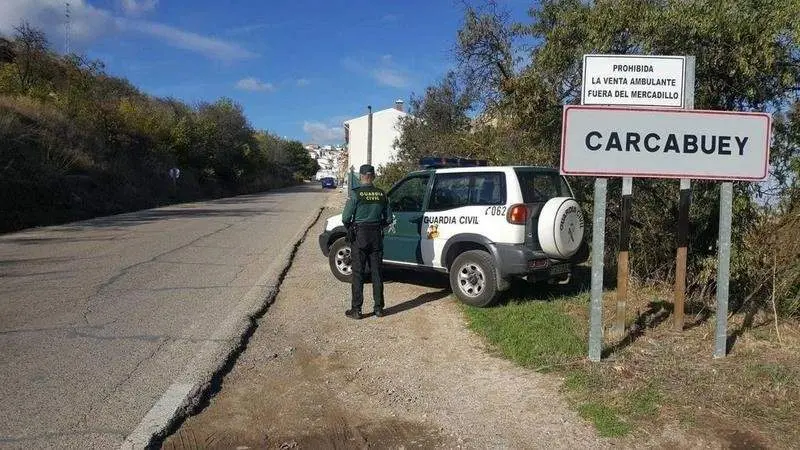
{"x":370,"y":196}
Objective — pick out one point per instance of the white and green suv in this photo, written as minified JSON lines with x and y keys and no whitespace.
{"x":481,"y":225}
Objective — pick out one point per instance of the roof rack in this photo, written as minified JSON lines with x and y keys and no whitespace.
{"x":433,"y":162}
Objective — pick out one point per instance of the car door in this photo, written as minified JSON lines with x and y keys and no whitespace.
{"x":401,"y":243}
{"x":462,"y":203}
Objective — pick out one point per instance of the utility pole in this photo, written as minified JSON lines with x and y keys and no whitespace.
{"x":369,"y":136}
{"x":66,"y":28}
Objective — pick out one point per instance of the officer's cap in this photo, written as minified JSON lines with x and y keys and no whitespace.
{"x":366,"y":169}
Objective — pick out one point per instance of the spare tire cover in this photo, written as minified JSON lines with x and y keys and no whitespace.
{"x":560,"y":227}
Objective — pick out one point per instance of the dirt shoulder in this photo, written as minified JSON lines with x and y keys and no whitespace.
{"x":417,"y":378}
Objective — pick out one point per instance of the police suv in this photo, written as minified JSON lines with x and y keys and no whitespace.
{"x":481,"y":225}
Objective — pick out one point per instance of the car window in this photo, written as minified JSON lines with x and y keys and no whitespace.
{"x":409,"y":194}
{"x":450,"y":191}
{"x":454,"y":190}
{"x":488,"y":189}
{"x":541,"y":186}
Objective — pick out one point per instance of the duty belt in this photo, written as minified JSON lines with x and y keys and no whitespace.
{"x":367,"y":224}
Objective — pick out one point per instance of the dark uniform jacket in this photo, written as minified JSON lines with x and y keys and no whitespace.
{"x":369,"y":204}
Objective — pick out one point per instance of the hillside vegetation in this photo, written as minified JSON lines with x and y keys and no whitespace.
{"x":76,"y":142}
{"x":515,"y":77}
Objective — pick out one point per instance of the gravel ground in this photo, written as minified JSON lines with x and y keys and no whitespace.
{"x":417,"y":378}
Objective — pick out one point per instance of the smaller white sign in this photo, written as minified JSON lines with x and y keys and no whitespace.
{"x":613,"y":141}
{"x":634,"y":80}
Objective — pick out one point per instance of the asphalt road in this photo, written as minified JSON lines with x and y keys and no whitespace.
{"x":108,"y":326}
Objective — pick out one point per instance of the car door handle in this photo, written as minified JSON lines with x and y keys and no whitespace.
{"x":417,"y":220}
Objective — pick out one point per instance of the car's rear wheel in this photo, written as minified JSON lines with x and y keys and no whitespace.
{"x":473,"y":278}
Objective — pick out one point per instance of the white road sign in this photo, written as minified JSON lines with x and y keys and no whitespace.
{"x":610,"y":141}
{"x":635,"y":80}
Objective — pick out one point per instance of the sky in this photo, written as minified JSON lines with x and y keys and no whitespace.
{"x":299,"y":68}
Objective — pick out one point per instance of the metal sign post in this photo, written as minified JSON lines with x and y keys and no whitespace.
{"x":723,"y":268}
{"x":598,"y":246}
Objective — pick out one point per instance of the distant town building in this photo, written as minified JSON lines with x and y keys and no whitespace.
{"x":385,"y":129}
{"x":327,"y":158}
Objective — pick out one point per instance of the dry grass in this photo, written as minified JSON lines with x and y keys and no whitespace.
{"x":773,"y":250}
{"x":34,"y":126}
{"x":751,"y":397}
{"x":32,"y":109}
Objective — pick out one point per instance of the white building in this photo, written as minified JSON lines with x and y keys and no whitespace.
{"x":325,"y":163}
{"x":385,"y":129}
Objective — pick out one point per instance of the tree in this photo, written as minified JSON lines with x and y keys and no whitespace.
{"x":31,"y":47}
{"x":485,"y":53}
{"x":298,"y":160}
{"x":225,"y":139}
{"x":437,"y":126}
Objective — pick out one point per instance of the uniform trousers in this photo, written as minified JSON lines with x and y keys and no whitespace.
{"x":367,"y":246}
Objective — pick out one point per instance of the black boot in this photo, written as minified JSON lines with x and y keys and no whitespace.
{"x":379,"y":312}
{"x":353,"y":313}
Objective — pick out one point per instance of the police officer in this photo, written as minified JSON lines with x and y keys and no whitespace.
{"x":365,"y":215}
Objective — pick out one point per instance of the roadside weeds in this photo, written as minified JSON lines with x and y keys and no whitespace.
{"x":655,"y":387}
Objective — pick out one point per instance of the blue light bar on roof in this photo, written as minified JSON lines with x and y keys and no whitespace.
{"x":433,"y":162}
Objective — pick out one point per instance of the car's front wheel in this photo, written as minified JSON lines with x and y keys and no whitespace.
{"x":473,"y":278}
{"x":340,"y":260}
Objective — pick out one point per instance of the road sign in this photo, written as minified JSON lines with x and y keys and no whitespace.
{"x":609,"y":141}
{"x":633,"y":80}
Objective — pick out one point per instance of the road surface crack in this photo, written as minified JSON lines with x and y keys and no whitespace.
{"x":140,"y":337}
{"x":124,"y":271}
